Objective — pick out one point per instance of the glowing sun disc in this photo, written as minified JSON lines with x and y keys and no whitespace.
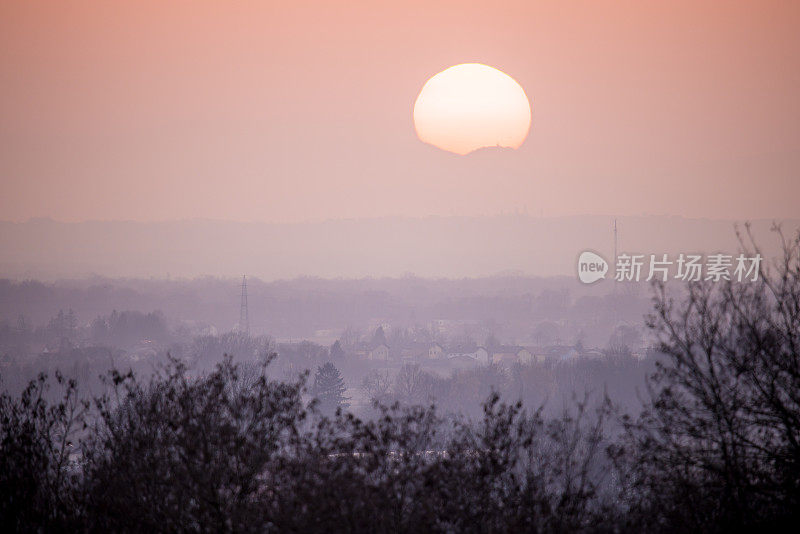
{"x":471,"y":106}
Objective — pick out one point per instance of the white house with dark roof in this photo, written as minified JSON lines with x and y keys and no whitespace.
{"x":472,"y":352}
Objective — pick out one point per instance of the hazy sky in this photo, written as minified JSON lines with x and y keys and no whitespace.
{"x":292,"y":111}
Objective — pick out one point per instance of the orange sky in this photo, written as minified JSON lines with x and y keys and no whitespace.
{"x":152,"y":110}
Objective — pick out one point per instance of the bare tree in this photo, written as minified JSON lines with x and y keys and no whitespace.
{"x":412,"y":385}
{"x":719,"y":440}
{"x":38,"y":475}
{"x":376,"y":385}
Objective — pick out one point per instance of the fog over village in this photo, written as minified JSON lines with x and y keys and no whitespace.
{"x":367,"y":327}
{"x":410,"y":357}
{"x":544,"y":338}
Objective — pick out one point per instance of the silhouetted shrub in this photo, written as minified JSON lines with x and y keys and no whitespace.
{"x":717,"y":447}
{"x":39,"y":478}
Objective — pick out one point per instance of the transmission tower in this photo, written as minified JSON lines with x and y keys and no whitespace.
{"x":614,"y":259}
{"x":244,"y":317}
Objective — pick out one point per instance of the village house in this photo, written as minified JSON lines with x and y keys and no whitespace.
{"x":373,"y":351}
{"x":507,"y":355}
{"x":472,"y":352}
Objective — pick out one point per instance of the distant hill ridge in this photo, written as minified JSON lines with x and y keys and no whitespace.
{"x":451,"y":247}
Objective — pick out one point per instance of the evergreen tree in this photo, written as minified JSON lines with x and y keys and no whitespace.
{"x":22,"y":326}
{"x":329,"y":389}
{"x":379,"y":338}
{"x":71,"y":322}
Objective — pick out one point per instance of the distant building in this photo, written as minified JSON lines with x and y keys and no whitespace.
{"x":482,"y":355}
{"x":509,"y":354}
{"x":592,"y":354}
{"x":462,"y":361}
{"x":562,"y":353}
{"x":472,"y":352}
{"x":376,"y":352}
{"x":381,"y":352}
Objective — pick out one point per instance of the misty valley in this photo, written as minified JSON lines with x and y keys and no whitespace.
{"x":400,"y":404}
{"x":530,"y":337}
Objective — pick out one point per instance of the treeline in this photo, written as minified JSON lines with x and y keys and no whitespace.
{"x":236,"y":451}
{"x":118,"y":329}
{"x":548,"y":384}
{"x":536,"y":310}
{"x":232,"y":452}
{"x":714,"y":448}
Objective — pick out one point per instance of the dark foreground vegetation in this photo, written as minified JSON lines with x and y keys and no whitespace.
{"x":716,"y":446}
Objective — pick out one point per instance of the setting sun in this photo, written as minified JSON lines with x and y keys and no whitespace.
{"x":471,"y":106}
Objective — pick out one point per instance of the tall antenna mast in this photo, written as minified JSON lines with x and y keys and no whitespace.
{"x":614,"y":260}
{"x":244,"y":318}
